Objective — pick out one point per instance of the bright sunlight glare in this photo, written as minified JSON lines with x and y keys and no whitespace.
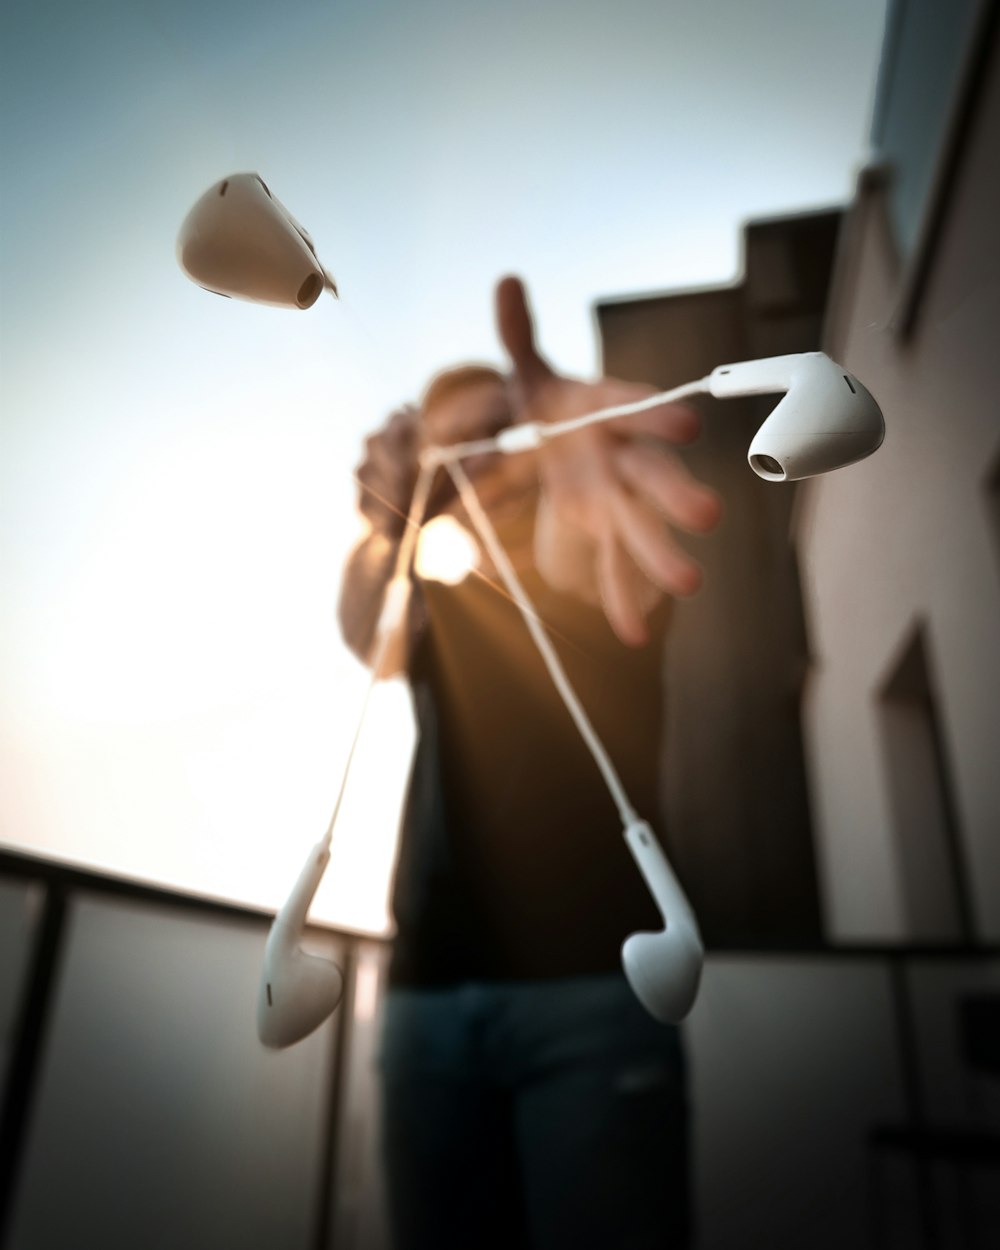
{"x":446,"y":551}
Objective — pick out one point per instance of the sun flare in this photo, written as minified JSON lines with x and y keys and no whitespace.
{"x":446,"y":551}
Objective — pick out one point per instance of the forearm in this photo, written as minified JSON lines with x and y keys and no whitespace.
{"x":367,"y":573}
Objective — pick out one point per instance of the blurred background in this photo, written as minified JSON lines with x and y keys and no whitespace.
{"x":177,"y":493}
{"x":680,"y":185}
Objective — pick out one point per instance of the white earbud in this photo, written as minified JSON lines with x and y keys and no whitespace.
{"x":826,"y":419}
{"x":663,"y":969}
{"x":240,"y":241}
{"x":297,"y":990}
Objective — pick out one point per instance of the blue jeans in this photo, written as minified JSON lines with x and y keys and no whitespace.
{"x":541,"y":1114}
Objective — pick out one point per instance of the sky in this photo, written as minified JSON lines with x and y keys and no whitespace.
{"x":176,"y":491}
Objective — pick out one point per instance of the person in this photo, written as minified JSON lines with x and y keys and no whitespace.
{"x":527,"y":1098}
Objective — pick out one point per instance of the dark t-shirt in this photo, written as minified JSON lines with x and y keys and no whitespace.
{"x":511,"y":863}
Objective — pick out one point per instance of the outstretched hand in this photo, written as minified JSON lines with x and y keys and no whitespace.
{"x":611,"y":494}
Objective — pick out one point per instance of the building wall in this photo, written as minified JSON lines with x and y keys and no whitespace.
{"x":901,"y":572}
{"x":736,"y":815}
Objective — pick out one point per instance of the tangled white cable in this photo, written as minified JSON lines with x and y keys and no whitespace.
{"x":238,"y":240}
{"x":825,"y":420}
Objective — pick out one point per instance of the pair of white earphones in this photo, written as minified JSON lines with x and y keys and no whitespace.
{"x":240,"y":241}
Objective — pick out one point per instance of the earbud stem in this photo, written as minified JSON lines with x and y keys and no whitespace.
{"x":659,"y":876}
{"x":292,"y":915}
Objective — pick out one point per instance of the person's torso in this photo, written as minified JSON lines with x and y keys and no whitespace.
{"x":512,"y":864}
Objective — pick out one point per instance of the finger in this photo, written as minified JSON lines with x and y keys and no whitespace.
{"x":381,"y":508}
{"x":406,"y":417}
{"x":648,"y":541}
{"x":386,"y":478}
{"x":517,"y":334}
{"x":666,"y":483}
{"x":398,"y":441}
{"x":618,"y":591}
{"x":390,"y":468}
{"x":401,"y":433}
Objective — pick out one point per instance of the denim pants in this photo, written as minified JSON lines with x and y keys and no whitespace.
{"x":548,"y":1115}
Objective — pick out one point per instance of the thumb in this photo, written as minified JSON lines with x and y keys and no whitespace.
{"x":517,"y":334}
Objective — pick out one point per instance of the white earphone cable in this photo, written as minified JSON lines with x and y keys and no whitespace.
{"x":393,"y":609}
{"x":548,"y":653}
{"x":623,"y":410}
{"x":513,"y":439}
{"x":532,"y":434}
